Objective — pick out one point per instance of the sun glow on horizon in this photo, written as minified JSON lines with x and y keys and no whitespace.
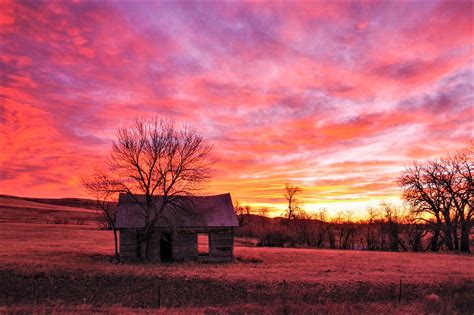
{"x":336,"y":98}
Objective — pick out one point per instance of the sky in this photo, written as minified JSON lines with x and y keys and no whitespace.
{"x":337,"y":98}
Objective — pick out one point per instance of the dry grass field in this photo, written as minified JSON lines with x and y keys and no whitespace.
{"x":67,"y":268}
{"x":64,"y":268}
{"x":19,"y":210}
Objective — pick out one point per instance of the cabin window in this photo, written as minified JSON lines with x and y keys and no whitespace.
{"x":203,"y":244}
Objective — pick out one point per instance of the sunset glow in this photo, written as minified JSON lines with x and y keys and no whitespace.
{"x":336,"y":98}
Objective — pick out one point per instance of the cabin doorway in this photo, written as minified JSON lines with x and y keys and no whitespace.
{"x":165,"y":247}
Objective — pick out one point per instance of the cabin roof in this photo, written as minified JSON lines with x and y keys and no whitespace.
{"x":184,"y":211}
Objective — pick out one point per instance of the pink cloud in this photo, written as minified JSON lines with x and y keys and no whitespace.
{"x":335,"y":97}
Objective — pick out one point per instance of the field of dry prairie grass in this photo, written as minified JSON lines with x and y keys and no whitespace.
{"x":19,"y":210}
{"x":65,"y":268}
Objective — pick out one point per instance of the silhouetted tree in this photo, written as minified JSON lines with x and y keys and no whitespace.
{"x":152,"y":157}
{"x":371,"y":230}
{"x":104,"y":190}
{"x":443,"y":189}
{"x":239,"y":212}
{"x":263,"y":211}
{"x":347,"y":229}
{"x":393,"y":226}
{"x":456,"y":177}
{"x":322,"y":218}
{"x":290,"y":195}
{"x":303,"y":226}
{"x":425,"y":197}
{"x":415,"y":230}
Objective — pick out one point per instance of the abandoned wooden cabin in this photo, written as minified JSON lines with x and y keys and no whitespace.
{"x":197,"y":228}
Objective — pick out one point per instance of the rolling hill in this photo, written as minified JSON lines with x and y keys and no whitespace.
{"x":56,"y":211}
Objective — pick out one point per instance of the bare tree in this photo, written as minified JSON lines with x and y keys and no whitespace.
{"x":302,"y":225}
{"x":443,"y":189}
{"x":263,"y":211}
{"x":290,"y":195}
{"x":371,"y":232}
{"x":425,"y":197}
{"x":239,"y":212}
{"x":242,"y":212}
{"x":103,"y":189}
{"x":347,"y":229}
{"x":151,"y":158}
{"x":393,"y":226}
{"x":457,"y":180}
{"x":247,"y":210}
{"x":321,"y":218}
{"x":415,"y":231}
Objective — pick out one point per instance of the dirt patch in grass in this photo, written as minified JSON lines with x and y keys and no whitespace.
{"x":247,"y":260}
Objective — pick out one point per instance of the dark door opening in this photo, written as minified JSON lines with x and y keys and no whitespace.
{"x":165,"y":247}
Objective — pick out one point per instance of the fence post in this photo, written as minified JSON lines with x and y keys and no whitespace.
{"x":284,"y":287}
{"x":400,"y":292}
{"x":50,"y":287}
{"x":159,"y":296}
{"x":34,"y":292}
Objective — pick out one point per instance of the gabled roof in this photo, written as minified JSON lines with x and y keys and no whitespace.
{"x":194,"y":211}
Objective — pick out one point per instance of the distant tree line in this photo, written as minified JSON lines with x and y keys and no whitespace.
{"x":437,"y":215}
{"x":153,"y":157}
{"x":387,"y":228}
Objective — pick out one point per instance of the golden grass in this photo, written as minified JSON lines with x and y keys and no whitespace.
{"x":25,"y":204}
{"x":38,"y":247}
{"x":318,"y":281}
{"x":17,"y":210}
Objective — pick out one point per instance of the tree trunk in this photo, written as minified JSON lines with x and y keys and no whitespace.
{"x":416,"y":243}
{"x":369,"y":237}
{"x":455,"y":236}
{"x":117,"y":256}
{"x":436,"y":234}
{"x":465,"y":232}
{"x":332,"y":241}
{"x":394,"y":240}
{"x":434,"y":240}
{"x":448,"y":240}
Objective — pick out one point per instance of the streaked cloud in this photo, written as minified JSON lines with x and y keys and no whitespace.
{"x":335,"y":97}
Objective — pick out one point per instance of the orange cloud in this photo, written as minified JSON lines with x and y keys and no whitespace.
{"x":337,"y":98}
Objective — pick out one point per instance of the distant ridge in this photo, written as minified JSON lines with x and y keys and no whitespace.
{"x":68,"y":202}
{"x":71,"y":211}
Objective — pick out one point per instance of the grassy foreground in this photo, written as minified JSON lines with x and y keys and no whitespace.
{"x":48,"y":268}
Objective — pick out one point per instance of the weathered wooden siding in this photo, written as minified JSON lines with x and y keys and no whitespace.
{"x":128,"y":246}
{"x":184,"y":245}
{"x":128,"y":239}
{"x":221,"y":246}
{"x":154,"y":247}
